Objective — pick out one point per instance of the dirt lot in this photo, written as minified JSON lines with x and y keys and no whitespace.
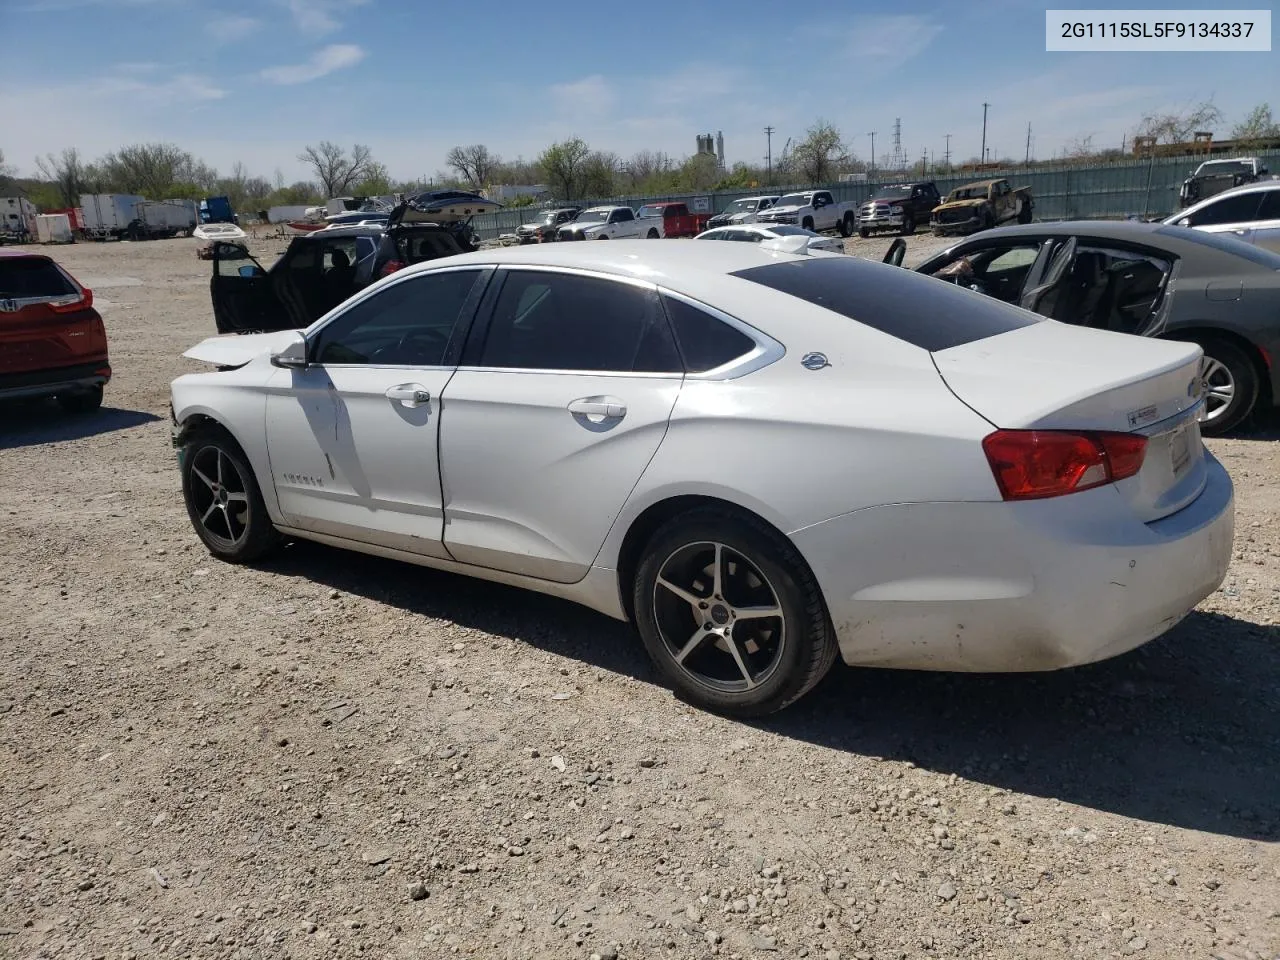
{"x":331,"y":755}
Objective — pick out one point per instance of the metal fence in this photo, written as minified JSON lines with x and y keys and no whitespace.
{"x":1142,"y":188}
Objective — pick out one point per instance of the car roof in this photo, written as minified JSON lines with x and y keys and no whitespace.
{"x":1258,"y":186}
{"x":23,"y":253}
{"x":978,"y":183}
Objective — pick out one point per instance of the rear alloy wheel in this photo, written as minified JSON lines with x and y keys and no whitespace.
{"x":731,"y":615}
{"x":82,"y":401}
{"x":908,"y":225}
{"x":1230,"y":385}
{"x":223,"y":499}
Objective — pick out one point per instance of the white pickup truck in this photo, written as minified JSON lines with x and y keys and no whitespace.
{"x":602,"y":223}
{"x":814,"y":210}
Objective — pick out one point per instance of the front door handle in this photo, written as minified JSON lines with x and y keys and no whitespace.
{"x":409,"y":394}
{"x":597,"y":409}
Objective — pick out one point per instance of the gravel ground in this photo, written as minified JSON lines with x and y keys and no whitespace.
{"x":330,"y":755}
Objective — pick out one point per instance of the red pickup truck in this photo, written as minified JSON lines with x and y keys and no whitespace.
{"x":670,"y":219}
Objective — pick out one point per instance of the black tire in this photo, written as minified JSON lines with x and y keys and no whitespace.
{"x":847,"y":225}
{"x":652,"y":235}
{"x":807,"y":223}
{"x":988,"y":219}
{"x":939,"y":233}
{"x":908,"y":225}
{"x":81,"y":401}
{"x":863,"y":232}
{"x":603,"y":236}
{"x":1225,"y":364}
{"x":1024,"y":214}
{"x":799,"y":643}
{"x":249,"y":532}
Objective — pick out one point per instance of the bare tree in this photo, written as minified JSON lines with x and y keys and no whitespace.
{"x":337,"y":171}
{"x":1178,"y":126}
{"x":155,"y":170}
{"x":563,"y":167}
{"x":1258,"y":125}
{"x":67,"y":173}
{"x":599,"y":174}
{"x":819,"y":156}
{"x":6,"y":171}
{"x":475,"y":164}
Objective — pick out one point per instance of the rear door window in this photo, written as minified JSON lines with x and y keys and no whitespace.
{"x":909,"y":306}
{"x":560,"y":321}
{"x":1270,"y":209}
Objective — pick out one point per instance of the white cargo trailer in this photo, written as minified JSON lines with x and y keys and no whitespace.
{"x":283,"y":214}
{"x":109,"y":214}
{"x":54,"y":228}
{"x":17,"y":217}
{"x":164,"y":218}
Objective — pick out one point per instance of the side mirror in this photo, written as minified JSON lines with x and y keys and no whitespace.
{"x":292,"y":356}
{"x":248,"y":270}
{"x":1184,"y":222}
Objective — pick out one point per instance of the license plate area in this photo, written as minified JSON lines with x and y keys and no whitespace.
{"x":1179,"y":443}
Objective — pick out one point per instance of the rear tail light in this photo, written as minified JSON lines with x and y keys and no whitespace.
{"x":1033,"y":464}
{"x":391,"y":267}
{"x":73,"y":302}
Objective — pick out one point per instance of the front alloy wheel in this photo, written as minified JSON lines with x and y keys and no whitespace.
{"x":223,"y":500}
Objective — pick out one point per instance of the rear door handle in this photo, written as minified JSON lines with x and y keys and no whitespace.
{"x":599,"y":408}
{"x":409,"y":394}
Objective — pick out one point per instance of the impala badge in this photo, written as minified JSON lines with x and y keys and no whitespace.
{"x":814,"y":361}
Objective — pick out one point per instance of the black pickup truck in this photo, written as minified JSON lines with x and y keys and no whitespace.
{"x":898,"y":206}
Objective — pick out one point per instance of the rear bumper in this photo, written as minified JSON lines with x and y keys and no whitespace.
{"x":1008,"y":587}
{"x":46,"y":383}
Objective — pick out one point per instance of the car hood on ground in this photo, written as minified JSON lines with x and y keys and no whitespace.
{"x":237,"y":349}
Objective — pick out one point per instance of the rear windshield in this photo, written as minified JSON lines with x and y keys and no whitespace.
{"x":1225,"y":244}
{"x":25,"y":277}
{"x":921,"y":310}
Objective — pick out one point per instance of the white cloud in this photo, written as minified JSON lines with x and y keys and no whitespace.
{"x":892,"y":37}
{"x":179,"y":88}
{"x":588,"y":96}
{"x":336,"y":56}
{"x":316,"y":18}
{"x":227,"y":29}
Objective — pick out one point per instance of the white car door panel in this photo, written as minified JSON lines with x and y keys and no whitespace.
{"x":542,"y":438}
{"x":536,"y":469}
{"x":354,"y":436}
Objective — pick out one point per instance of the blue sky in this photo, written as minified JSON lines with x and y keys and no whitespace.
{"x":255,"y":81}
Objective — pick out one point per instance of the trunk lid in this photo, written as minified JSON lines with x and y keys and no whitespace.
{"x":47,"y":320}
{"x":1052,"y":376}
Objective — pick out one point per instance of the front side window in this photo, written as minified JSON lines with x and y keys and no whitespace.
{"x":405,"y":324}
{"x":624,"y":214}
{"x":1240,"y":208}
{"x":560,"y":321}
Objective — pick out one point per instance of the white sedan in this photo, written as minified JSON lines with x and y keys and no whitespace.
{"x":762,"y":459}
{"x":759,"y":232}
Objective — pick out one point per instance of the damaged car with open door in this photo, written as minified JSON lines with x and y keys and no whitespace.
{"x":1148,"y":279}
{"x":320,"y":270}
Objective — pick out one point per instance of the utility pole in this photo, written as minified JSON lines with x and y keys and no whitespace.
{"x":872,"y":135}
{"x":768,"y":155}
{"x":1027,"y":161}
{"x":984,"y":130}
{"x":946,"y":157}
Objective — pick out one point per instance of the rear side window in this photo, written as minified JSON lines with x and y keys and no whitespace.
{"x":1239,"y":208}
{"x":561,"y":321}
{"x":1225,"y":243}
{"x":918,"y":309}
{"x":1270,"y":209}
{"x":27,"y":277}
{"x":705,"y":342}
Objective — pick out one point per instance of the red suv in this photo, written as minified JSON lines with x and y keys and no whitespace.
{"x":52,"y":341}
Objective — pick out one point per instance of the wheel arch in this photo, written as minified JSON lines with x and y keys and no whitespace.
{"x":197,"y":417}
{"x":648,"y":521}
{"x":1262,"y":365}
